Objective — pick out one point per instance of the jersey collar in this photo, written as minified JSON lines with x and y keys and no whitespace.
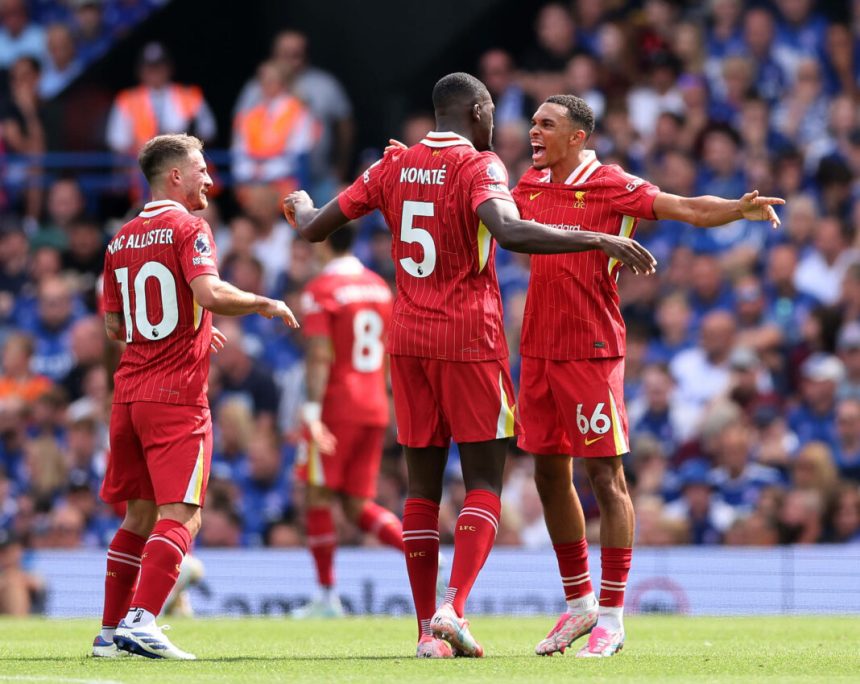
{"x":157,"y":207}
{"x":345,"y":265}
{"x":582,"y":172}
{"x":445,"y":139}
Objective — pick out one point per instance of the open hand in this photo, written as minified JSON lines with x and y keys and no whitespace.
{"x":393,"y":146}
{"x":630,"y":253}
{"x":275,"y":308}
{"x":322,"y":436}
{"x":756,"y":208}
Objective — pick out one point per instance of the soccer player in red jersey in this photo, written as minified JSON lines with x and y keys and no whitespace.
{"x":573,"y":343}
{"x":347,"y":309}
{"x":444,"y":200}
{"x":160,"y":285}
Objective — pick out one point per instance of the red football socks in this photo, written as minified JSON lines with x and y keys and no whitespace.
{"x":123,"y":567}
{"x":162,"y":556}
{"x":421,"y":550}
{"x":573,"y":566}
{"x":322,"y":541}
{"x":382,"y":524}
{"x":615,"y":564}
{"x":473,"y":538}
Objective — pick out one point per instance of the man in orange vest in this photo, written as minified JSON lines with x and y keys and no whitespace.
{"x":272,"y":139}
{"x":157,"y":106}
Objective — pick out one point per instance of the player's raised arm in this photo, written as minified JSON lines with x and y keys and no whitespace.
{"x":708,"y":211}
{"x":518,"y":235}
{"x":313,"y":224}
{"x":222,"y":298}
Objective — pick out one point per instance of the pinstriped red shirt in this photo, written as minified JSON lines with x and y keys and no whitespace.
{"x":572,"y":309}
{"x":448,"y":304}
{"x":149,"y":267}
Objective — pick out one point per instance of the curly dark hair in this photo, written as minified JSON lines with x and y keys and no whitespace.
{"x":578,"y":111}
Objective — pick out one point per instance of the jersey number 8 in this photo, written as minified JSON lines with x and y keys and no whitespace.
{"x":170,"y":310}
{"x":367,"y":347}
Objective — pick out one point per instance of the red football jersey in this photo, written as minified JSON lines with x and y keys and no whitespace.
{"x":149,"y":266}
{"x":351,"y":305}
{"x":448,"y":304}
{"x":572,"y":309}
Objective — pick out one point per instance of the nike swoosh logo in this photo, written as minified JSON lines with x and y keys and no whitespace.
{"x":589,"y":442}
{"x":535,"y":194}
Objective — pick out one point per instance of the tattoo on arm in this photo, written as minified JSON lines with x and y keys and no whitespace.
{"x":113,"y":324}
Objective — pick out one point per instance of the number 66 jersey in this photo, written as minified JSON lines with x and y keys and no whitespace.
{"x":149,"y":267}
{"x":448,"y":305}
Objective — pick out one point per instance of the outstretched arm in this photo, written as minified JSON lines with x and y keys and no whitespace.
{"x":708,"y":211}
{"x":502,"y":219}
{"x":313,"y":224}
{"x":220,"y":297}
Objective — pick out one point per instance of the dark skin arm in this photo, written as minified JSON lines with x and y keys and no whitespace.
{"x":502,"y":219}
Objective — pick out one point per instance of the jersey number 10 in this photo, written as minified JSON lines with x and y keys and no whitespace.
{"x":169,"y":306}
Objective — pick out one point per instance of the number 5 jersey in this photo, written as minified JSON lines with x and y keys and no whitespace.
{"x":149,"y":267}
{"x":448,"y":304}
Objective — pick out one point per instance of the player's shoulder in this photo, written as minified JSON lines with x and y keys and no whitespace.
{"x":616,"y":176}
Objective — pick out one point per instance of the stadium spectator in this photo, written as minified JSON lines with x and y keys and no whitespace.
{"x":19,"y":37}
{"x":496,"y":70}
{"x":554,"y":44}
{"x":157,"y":106}
{"x":848,"y":348}
{"x":659,"y":412}
{"x":62,"y":64}
{"x":802,"y":113}
{"x":91,"y":35}
{"x":244,"y":378}
{"x":774,"y":62}
{"x":814,"y":418}
{"x":234,"y":428}
{"x":702,"y":372}
{"x":847,"y":450}
{"x":272,"y":239}
{"x":328,"y":102}
{"x":736,"y":476}
{"x":821,"y":271}
{"x":800,"y":518}
{"x":657,"y":94}
{"x":88,"y":347}
{"x":18,"y":380}
{"x":844,"y":519}
{"x":786,"y":306}
{"x":23,"y":132}
{"x":264,"y":486}
{"x":813,"y":469}
{"x":52,"y":328}
{"x":272,"y":138}
{"x":21,"y":592}
{"x":582,"y":75}
{"x":705,"y":512}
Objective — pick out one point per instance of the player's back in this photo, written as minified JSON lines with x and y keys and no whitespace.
{"x":351,"y":306}
{"x":448,"y":303}
{"x":149,"y":266}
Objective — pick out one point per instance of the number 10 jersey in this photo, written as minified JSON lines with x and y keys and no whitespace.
{"x":448,"y":304}
{"x":149,"y":267}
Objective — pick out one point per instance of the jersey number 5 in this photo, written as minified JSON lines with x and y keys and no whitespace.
{"x":409,"y":233}
{"x":169,"y":307}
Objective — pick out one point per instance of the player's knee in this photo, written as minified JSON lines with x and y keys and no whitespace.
{"x":552,"y":478}
{"x":608,"y":484}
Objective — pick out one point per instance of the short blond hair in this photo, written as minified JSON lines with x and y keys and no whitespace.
{"x":160,"y":152}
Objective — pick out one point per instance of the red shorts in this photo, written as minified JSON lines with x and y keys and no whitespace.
{"x":573,"y":407}
{"x":437,"y":401}
{"x":158,"y":452}
{"x":353,"y":468}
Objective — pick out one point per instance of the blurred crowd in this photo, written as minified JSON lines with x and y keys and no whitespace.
{"x":743,"y":367}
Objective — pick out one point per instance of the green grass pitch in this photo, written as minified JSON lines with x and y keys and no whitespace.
{"x":658,"y":649}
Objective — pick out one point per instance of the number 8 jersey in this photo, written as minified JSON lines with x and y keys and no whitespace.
{"x":448,"y":304}
{"x":149,"y":267}
{"x":351,"y":306}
